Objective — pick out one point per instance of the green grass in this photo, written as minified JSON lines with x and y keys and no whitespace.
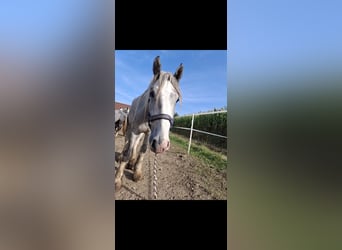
{"x":201,"y":152}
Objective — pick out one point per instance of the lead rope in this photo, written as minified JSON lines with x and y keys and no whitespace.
{"x":155,"y":191}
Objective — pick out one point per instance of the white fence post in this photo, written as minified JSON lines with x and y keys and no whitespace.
{"x":200,"y":131}
{"x":192,"y":125}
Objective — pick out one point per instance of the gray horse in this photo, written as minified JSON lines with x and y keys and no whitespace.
{"x":120,"y":121}
{"x":149,"y":120}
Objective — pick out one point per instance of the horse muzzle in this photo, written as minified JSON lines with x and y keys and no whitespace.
{"x":160,"y":147}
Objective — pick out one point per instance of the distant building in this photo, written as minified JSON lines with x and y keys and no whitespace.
{"x":119,"y":105}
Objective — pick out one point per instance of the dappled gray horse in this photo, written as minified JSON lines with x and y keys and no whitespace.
{"x":120,"y":120}
{"x":149,"y":120}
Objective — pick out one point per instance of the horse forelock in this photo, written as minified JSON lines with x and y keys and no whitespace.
{"x":162,"y":79}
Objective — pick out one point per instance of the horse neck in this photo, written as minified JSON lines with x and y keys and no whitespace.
{"x":145,"y":105}
{"x":140,"y":114}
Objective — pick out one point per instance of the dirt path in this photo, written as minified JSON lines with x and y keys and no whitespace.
{"x":180,"y":177}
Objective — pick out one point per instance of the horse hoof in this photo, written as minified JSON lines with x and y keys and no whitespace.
{"x":118,"y":185}
{"x":137,"y":176}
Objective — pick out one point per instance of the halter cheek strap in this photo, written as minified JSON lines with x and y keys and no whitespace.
{"x":152,"y":118}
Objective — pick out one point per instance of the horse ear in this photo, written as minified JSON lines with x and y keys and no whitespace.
{"x":179,"y":72}
{"x":156,"y":65}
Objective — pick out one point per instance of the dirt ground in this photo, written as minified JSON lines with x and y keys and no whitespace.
{"x":180,"y":177}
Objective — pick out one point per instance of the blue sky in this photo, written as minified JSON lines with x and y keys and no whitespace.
{"x":269,"y":41}
{"x":203,"y":85}
{"x":265,"y":39}
{"x":40,"y":28}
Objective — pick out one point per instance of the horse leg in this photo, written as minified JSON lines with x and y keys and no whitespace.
{"x":125,"y":156}
{"x":133,"y":159}
{"x":138,"y":167}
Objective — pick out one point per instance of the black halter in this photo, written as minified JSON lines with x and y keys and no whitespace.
{"x":152,"y":118}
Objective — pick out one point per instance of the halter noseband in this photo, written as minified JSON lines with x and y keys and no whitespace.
{"x":160,"y":117}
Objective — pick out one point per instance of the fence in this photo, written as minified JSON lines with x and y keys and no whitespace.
{"x":222,"y":125}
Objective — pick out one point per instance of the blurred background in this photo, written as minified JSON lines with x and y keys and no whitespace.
{"x":284,"y":99}
{"x":56,"y":92}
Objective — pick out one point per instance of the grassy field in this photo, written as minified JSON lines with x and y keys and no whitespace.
{"x":203,"y":153}
{"x":216,"y":123}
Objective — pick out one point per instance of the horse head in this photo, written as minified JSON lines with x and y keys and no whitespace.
{"x":164,"y":93}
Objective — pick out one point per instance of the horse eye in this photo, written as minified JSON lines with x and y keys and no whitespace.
{"x":152,"y":94}
{"x":177,"y":100}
